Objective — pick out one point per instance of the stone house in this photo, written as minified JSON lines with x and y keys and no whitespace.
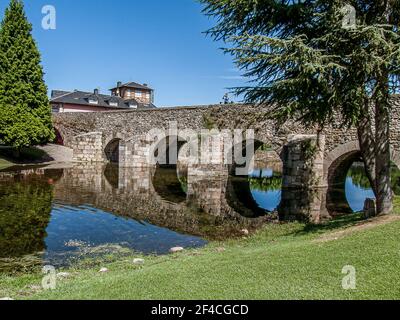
{"x":126,"y":96}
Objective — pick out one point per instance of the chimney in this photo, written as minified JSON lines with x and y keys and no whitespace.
{"x":118,"y":91}
{"x":96,"y":92}
{"x":145,"y":84}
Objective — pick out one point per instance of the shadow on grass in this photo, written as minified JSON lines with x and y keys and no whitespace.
{"x":341,"y":222}
{"x":347,"y":220}
{"x":29,"y":155}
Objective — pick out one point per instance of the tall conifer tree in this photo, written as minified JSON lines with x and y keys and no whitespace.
{"x":25,"y":113}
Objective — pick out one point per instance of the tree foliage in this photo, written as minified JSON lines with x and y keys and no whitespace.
{"x":301,"y":58}
{"x":25,"y":114}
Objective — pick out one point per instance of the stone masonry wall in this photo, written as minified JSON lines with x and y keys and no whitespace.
{"x":88,"y":147}
{"x":127,"y":125}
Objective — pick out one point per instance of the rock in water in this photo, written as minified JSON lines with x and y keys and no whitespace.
{"x":138,"y":261}
{"x":63,"y":275}
{"x":176,"y":249}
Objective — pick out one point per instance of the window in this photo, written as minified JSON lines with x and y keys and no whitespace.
{"x":138,"y":93}
{"x":93,"y":100}
{"x":55,"y":108}
{"x":133,"y":105}
{"x":113,"y":103}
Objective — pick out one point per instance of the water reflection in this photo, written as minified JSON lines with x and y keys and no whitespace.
{"x":259,"y":193}
{"x":266,"y":188}
{"x":66,"y":216}
{"x":76,"y":228}
{"x":25,"y":210}
{"x":169,"y":184}
{"x":358,"y":187}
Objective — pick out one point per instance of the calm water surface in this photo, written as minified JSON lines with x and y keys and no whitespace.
{"x":265,"y":185}
{"x":358,"y":188}
{"x":62,"y":216}
{"x":73,"y":228}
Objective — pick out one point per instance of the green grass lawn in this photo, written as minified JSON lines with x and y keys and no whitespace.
{"x":279,"y":262}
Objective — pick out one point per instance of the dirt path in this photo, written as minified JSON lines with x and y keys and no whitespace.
{"x":54,"y":157}
{"x":365,"y":225}
{"x":57,"y":153}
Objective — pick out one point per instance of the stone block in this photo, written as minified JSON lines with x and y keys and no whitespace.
{"x":369,"y":208}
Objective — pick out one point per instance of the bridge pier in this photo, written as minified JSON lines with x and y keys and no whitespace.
{"x":303,"y":189}
{"x":206,"y":190}
{"x":87,"y":147}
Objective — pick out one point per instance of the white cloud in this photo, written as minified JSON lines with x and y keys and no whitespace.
{"x":231,"y":77}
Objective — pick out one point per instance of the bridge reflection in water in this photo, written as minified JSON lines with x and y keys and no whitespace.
{"x":58,"y":216}
{"x":61,"y":214}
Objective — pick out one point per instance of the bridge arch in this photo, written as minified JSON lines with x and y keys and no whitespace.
{"x":259,"y":143}
{"x":59,"y":138}
{"x":337,"y":165}
{"x":344,"y":153}
{"x":170,"y":175}
{"x":395,"y":157}
{"x":339,"y":161}
{"x":114,"y":150}
{"x":249,"y":193}
{"x":162,"y":150}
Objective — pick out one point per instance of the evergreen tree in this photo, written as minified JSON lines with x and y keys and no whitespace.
{"x":25,"y":113}
{"x":313,"y":63}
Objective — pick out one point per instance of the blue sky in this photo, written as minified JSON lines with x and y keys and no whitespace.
{"x":158,"y":42}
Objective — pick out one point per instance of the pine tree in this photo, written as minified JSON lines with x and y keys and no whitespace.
{"x":312,"y":65}
{"x":25,"y":113}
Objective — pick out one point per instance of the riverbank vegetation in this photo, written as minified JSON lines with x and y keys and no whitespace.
{"x":281,"y":261}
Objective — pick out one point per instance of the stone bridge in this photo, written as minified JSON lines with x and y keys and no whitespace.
{"x":123,"y":137}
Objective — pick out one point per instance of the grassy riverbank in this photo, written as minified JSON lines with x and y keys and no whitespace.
{"x":289,"y":261}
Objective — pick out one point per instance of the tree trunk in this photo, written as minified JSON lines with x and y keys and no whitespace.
{"x":384,"y":194}
{"x":367,"y":145}
{"x":375,"y":150}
